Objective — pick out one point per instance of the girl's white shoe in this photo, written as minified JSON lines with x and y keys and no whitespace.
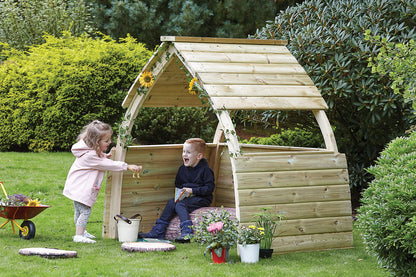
{"x":83,"y":239}
{"x":88,"y":235}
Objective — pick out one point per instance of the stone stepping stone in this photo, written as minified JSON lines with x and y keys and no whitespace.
{"x":50,"y":253}
{"x":147,"y":246}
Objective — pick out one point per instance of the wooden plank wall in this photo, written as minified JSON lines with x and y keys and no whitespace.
{"x":224,"y":192}
{"x":310,"y":188}
{"x":224,"y":186}
{"x":148,"y":194}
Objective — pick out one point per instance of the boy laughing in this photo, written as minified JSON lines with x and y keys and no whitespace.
{"x":197,"y":179}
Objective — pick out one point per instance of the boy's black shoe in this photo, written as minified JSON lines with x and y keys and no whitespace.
{"x":183,"y":239}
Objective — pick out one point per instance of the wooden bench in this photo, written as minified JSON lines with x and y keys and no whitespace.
{"x":173,"y":229}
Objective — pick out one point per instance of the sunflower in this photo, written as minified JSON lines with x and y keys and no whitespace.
{"x":192,"y":90}
{"x":146,"y":79}
{"x":33,"y":203}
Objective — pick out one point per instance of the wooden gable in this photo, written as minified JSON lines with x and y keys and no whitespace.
{"x":235,"y":73}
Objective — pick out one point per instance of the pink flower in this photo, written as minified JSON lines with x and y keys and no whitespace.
{"x":215,"y":227}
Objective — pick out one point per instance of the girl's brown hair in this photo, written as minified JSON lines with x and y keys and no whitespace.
{"x":93,"y":133}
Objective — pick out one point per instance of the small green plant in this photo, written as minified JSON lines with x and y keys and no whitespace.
{"x":269,"y":221}
{"x":250,"y":235}
{"x":125,"y":137}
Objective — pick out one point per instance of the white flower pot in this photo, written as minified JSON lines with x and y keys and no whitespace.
{"x":249,"y":253}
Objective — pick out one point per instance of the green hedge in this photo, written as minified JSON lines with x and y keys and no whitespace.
{"x":49,"y":93}
{"x":387,"y":218}
{"x":24,"y":22}
{"x":173,"y":125}
{"x":291,"y":137}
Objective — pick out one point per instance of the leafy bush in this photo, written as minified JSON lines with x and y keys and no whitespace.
{"x":328,"y":39}
{"x":173,"y":125}
{"x":399,"y":62}
{"x":291,"y":137}
{"x":387,"y":218}
{"x":147,"y":20}
{"x":24,"y":22}
{"x":49,"y":93}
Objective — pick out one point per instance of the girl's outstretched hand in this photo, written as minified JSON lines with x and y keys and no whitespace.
{"x":136,"y":170}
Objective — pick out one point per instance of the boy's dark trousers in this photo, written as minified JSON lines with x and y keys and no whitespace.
{"x":183,"y":208}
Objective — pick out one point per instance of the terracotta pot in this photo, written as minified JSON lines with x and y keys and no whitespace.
{"x":220,"y":257}
{"x":266,"y":253}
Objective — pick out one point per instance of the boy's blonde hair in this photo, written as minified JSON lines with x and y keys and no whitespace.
{"x":198,"y":144}
{"x":93,"y":133}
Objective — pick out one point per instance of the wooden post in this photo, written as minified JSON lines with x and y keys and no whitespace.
{"x":229,"y":131}
{"x":117,"y":177}
{"x":120,"y":154}
{"x":326,"y":130}
{"x":233,"y":148}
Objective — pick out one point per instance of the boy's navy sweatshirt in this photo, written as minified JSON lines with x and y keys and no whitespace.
{"x":200,"y":178}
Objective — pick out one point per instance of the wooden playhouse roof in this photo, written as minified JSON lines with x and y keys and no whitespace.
{"x":236,"y":74}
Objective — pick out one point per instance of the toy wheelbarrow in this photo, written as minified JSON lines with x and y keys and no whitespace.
{"x":27,"y":229}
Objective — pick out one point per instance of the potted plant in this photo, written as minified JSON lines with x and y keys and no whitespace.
{"x":269,"y":221}
{"x":249,"y":243}
{"x":218,"y":230}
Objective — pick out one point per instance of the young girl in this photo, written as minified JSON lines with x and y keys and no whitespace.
{"x":87,"y":173}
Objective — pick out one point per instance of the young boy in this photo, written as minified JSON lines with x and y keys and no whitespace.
{"x":196,"y":178}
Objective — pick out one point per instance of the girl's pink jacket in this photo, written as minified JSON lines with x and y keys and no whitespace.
{"x":87,"y":173}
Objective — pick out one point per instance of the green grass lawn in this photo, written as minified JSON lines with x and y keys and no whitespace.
{"x":42,"y":176}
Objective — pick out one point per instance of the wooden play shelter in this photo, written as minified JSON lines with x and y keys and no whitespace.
{"x":309,"y":186}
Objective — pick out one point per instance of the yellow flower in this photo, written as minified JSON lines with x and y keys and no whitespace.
{"x":261,"y":228}
{"x":192,"y":90}
{"x":261,"y":233}
{"x":252,"y":227}
{"x":146,"y":79}
{"x":33,"y":203}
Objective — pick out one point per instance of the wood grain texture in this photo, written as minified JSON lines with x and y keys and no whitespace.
{"x":222,"y":40}
{"x":230,"y":47}
{"x":301,"y":210}
{"x":312,"y":242}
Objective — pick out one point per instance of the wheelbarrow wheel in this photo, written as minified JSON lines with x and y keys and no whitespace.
{"x":29,"y":230}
